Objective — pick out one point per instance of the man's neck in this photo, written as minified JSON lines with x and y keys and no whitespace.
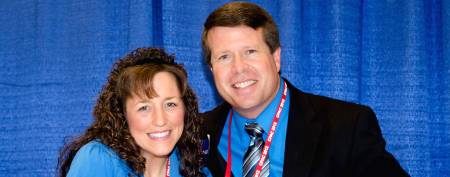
{"x":251,"y":113}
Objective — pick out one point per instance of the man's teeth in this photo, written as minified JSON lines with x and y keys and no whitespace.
{"x":159,"y":134}
{"x":244,"y":84}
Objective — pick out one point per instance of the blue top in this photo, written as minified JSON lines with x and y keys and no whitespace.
{"x":240,"y":139}
{"x":96,"y":159}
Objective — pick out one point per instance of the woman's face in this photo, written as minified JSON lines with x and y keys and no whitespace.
{"x":156,"y":124}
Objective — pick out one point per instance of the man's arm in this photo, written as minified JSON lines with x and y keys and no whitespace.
{"x":369,"y":156}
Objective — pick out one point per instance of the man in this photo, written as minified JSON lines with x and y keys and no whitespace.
{"x":267,"y":126}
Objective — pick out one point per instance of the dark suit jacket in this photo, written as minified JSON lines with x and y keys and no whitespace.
{"x":325,"y":137}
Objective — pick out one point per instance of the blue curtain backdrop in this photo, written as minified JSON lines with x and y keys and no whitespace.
{"x":393,"y":55}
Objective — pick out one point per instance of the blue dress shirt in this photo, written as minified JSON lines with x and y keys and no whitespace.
{"x":240,"y":139}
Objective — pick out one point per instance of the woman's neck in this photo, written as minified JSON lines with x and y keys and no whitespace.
{"x":155,"y":167}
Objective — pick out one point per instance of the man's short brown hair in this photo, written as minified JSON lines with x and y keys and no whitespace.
{"x":241,"y":13}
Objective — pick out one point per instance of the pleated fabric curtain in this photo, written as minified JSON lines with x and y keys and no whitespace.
{"x":392,"y":55}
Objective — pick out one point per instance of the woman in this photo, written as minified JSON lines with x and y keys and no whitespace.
{"x":145,"y":124}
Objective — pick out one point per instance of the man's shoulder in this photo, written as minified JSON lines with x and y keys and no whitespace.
{"x":219,"y":111}
{"x":324,"y":105}
{"x":216,"y":117}
{"x":319,"y":100}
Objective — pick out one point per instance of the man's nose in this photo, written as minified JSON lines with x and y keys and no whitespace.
{"x":239,"y":64}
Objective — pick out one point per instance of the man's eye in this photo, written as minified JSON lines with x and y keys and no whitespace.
{"x":250,"y":51}
{"x":144,"y":108}
{"x":223,"y":57}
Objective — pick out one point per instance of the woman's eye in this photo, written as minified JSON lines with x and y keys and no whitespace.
{"x":144,"y":108}
{"x":171,"y":105}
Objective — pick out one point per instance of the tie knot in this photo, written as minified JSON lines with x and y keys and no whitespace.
{"x":254,"y":130}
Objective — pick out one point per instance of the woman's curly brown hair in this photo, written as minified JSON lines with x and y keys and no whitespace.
{"x":110,"y":125}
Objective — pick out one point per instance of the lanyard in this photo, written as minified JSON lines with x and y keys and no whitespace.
{"x":168,"y":167}
{"x":268,"y":142}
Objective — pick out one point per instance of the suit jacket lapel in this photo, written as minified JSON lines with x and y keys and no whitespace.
{"x":301,"y":137}
{"x":215,"y":124}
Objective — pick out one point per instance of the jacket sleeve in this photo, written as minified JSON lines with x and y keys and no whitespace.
{"x":369,"y":156}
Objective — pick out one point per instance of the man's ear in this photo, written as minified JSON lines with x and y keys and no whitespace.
{"x":277,"y":58}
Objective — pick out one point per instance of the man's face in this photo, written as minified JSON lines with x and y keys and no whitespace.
{"x":245,"y":71}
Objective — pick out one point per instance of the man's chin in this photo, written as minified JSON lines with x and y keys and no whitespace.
{"x":247,"y":110}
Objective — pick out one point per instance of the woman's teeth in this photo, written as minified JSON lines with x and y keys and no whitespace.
{"x":159,"y":134}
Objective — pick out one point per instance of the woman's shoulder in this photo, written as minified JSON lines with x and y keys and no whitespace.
{"x":96,"y":148}
{"x":98,"y":159}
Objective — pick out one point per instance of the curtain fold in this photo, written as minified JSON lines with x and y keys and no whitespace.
{"x":392,"y":55}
